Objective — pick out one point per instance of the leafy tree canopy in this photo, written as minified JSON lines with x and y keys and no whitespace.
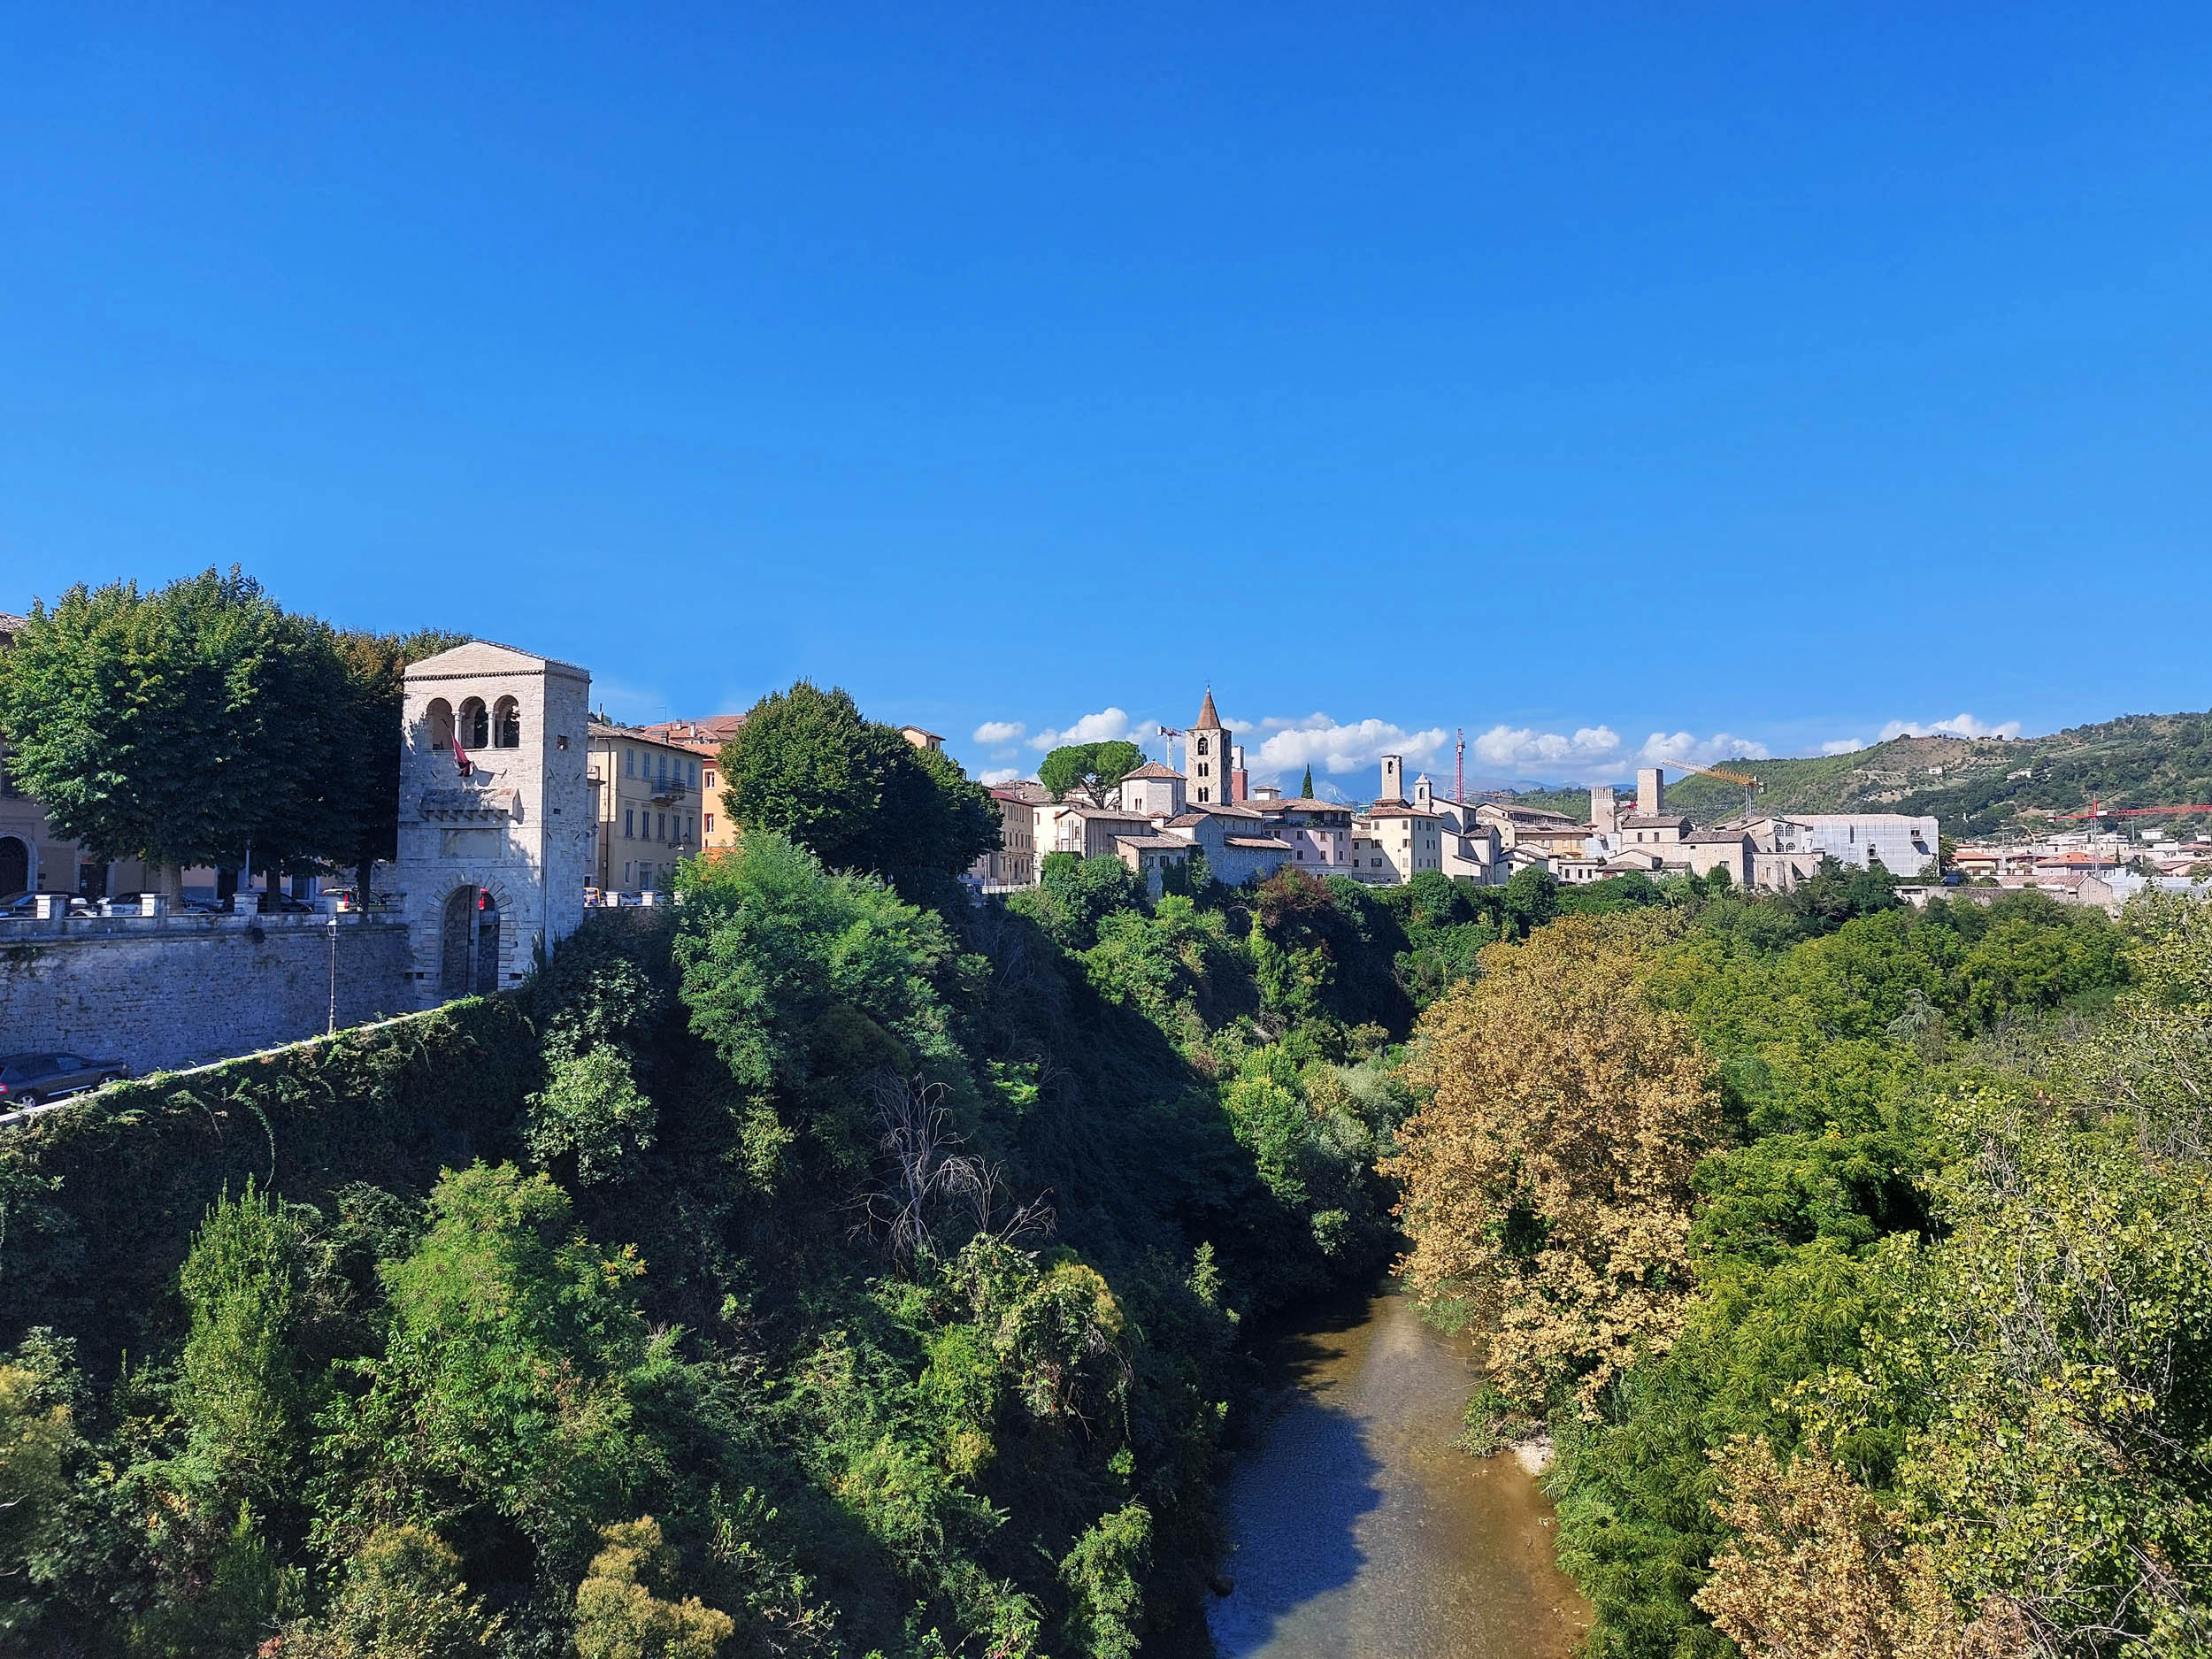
{"x":181,"y":726}
{"x":852,"y":791}
{"x":202,"y":722}
{"x":1091,"y":770}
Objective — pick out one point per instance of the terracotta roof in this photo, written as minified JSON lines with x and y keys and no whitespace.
{"x":711,"y":733}
{"x":1153,"y":843}
{"x":1397,"y":808}
{"x":633,"y":733}
{"x":1152,"y":769}
{"x":1206,"y":715}
{"x":1311,"y":804}
{"x":1713,"y":836}
{"x":1262,"y":843}
{"x":1186,"y":820}
{"x":1664,"y":820}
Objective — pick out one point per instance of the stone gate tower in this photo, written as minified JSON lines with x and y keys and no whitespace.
{"x":495,"y":816}
{"x":1207,"y":757}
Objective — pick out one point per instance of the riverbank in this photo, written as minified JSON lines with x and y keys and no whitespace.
{"x":1360,"y":1528}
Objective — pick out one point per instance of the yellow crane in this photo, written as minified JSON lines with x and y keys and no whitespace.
{"x":1744,"y":781}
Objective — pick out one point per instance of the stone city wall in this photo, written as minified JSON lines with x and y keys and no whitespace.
{"x":162,"y":992}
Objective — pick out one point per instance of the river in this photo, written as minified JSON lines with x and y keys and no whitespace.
{"x":1361,"y":1531}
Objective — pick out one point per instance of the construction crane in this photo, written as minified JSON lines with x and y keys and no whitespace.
{"x":1744,"y":781}
{"x":1171,"y":733}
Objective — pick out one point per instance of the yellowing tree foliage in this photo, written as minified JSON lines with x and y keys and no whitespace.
{"x":1549,"y":1170}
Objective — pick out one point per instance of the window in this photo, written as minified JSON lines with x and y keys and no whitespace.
{"x":663,"y":768}
{"x":663,"y":824}
{"x":507,"y":723}
{"x":1202,"y":750}
{"x":629,"y":763}
{"x":439,"y":718}
{"x":476,"y":724}
{"x":710,"y":778}
{"x":694,"y":774}
{"x":710,"y":823}
{"x":629,"y":827}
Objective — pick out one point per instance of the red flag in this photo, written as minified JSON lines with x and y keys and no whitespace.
{"x":461,"y":757}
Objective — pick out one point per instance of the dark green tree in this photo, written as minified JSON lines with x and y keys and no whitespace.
{"x":1092,"y":770}
{"x":855,"y":793}
{"x":1305,"y":789}
{"x":187,"y":725}
{"x":1532,"y":898}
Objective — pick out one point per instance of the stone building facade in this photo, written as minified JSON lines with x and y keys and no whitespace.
{"x":495,"y":818}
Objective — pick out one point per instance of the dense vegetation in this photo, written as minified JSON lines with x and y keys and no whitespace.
{"x":1856,"y":1259}
{"x":1978,"y":787}
{"x":806,"y":1271}
{"x":838,"y":1265}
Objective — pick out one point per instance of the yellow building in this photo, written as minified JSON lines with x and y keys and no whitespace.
{"x":648,"y":808}
{"x":703,"y":739}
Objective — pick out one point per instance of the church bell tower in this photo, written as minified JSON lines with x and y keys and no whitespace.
{"x":1206,"y":758}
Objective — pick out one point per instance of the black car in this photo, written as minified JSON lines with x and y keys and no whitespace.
{"x":26,"y":1079}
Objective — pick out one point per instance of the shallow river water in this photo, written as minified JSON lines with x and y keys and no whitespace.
{"x":1361,"y":1530}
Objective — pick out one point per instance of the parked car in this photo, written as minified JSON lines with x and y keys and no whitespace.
{"x":29,"y":1079}
{"x":285,"y":904}
{"x":24,"y":905}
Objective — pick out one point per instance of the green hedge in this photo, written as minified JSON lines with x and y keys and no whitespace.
{"x":98,"y":1201}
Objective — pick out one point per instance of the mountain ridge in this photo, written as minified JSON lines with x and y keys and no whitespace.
{"x":1978,"y":787}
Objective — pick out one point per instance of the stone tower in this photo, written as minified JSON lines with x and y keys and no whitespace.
{"x":1394,"y":778}
{"x":495,"y":818}
{"x":1651,"y":792}
{"x":1206,"y":763}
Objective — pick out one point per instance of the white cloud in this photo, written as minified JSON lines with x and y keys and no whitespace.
{"x":1520,"y":748}
{"x":1000,"y":732}
{"x":1104,"y":728}
{"x":1843,"y":746}
{"x":1662,"y":749}
{"x":1319,"y":740}
{"x":1001,"y":774}
{"x":1957,"y":726}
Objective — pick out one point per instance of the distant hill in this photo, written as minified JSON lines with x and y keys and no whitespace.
{"x":1978,"y":787}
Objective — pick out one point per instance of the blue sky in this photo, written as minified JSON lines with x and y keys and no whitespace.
{"x":1749,"y":377}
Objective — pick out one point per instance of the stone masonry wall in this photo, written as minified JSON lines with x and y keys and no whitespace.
{"x":158,"y":993}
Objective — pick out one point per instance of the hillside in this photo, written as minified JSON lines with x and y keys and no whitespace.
{"x":1978,"y":787}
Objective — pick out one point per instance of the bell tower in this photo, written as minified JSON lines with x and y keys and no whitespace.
{"x":1208,"y":757}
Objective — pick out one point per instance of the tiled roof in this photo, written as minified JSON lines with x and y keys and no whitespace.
{"x":1153,"y":768}
{"x":1664,"y":820}
{"x":716,"y":728}
{"x":1397,"y":808}
{"x":1153,"y":843}
{"x":1206,"y":715}
{"x":1260,"y":843}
